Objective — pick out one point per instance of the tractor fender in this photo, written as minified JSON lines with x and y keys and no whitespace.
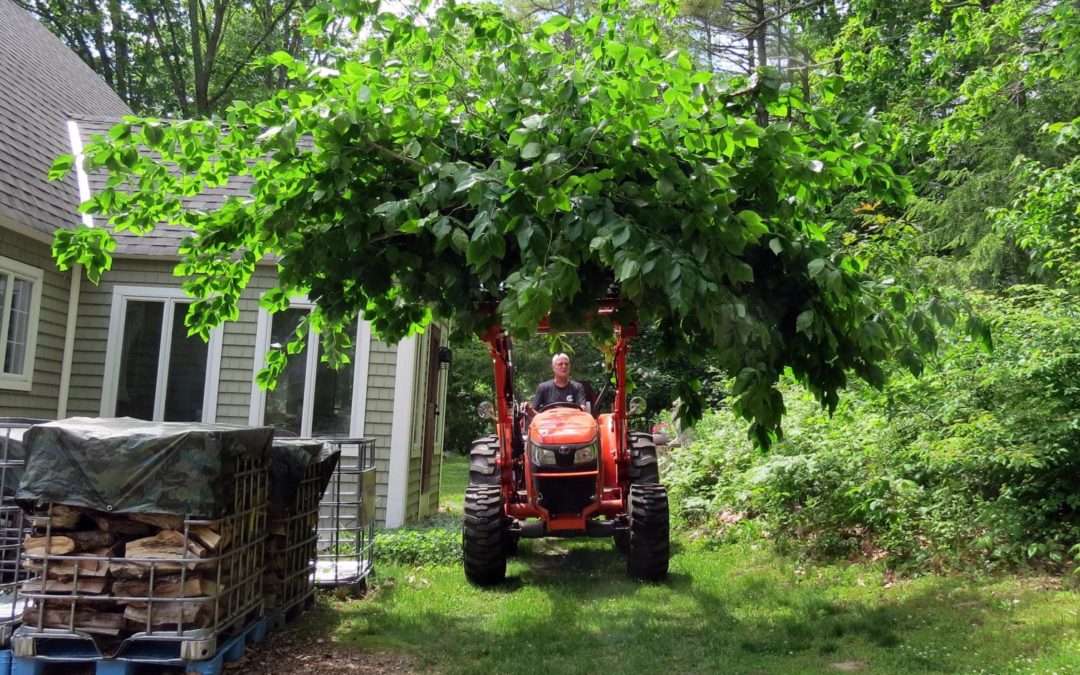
{"x":609,"y":449}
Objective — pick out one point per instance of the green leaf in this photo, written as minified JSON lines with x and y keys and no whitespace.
{"x":805,"y":321}
{"x":60,"y":167}
{"x":555,"y":24}
{"x":531,"y":150}
{"x":754,"y":225}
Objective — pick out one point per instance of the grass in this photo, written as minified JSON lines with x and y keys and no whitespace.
{"x":568,"y":607}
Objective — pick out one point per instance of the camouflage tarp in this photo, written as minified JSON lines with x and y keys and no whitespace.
{"x":289,"y":461}
{"x":328,"y":461}
{"x":124,"y":465}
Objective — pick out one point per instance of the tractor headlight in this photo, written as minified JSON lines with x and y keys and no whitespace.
{"x":585,"y":455}
{"x":543,"y":456}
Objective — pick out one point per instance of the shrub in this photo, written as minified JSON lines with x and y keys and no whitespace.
{"x":977,"y":462}
{"x":428,"y":546}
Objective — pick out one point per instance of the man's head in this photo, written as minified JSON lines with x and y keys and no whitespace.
{"x":560,"y":368}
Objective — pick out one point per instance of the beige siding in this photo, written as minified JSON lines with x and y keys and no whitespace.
{"x":379,"y":415}
{"x":42,"y":399}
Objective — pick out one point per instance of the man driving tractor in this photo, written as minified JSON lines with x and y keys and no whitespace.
{"x":559,"y":389}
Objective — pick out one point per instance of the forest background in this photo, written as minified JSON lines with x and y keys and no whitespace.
{"x":973,"y":465}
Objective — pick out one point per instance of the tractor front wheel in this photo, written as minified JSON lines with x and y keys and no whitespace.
{"x":484,"y":536}
{"x":482,"y":457}
{"x":649,"y":545}
{"x":643,"y":465}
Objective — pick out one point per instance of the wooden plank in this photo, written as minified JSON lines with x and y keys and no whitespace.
{"x":65,"y":569}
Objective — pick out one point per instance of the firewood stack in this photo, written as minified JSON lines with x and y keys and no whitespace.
{"x":116,"y":574}
{"x":297,"y":469}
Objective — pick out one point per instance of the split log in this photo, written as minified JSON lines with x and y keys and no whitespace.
{"x":121,"y":525}
{"x":103,"y":623}
{"x":165,"y":545}
{"x":166,"y":587}
{"x":53,"y":545}
{"x":205,"y":535}
{"x":65,"y":569}
{"x":90,"y":540}
{"x":86,"y":584}
{"x":165,"y":521}
{"x":62,"y":517}
{"x":165,"y":613}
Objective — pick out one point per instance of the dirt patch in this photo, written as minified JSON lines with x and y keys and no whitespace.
{"x":283,"y":653}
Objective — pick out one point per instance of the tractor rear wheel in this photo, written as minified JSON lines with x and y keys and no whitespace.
{"x":482,"y":456}
{"x":643,"y":465}
{"x":484,"y":536}
{"x":649,"y":546}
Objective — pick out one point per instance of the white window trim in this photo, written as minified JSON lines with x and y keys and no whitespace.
{"x":25,"y":381}
{"x":361,"y":360}
{"x":121,"y":294}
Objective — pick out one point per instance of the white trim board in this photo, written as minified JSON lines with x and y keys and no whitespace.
{"x":400,"y":432}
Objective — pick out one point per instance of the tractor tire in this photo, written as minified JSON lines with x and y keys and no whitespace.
{"x":484,"y":535}
{"x":650,"y":546}
{"x":482,"y":457}
{"x":643,"y":465}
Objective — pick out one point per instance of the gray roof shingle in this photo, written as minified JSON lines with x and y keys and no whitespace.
{"x":164,"y":240}
{"x":42,"y":85}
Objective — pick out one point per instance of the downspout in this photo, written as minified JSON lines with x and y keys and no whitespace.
{"x":76,"y":275}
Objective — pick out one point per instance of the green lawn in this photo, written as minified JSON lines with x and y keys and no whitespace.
{"x":568,"y":607}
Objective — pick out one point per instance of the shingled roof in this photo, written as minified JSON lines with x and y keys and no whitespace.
{"x":42,"y":85}
{"x":164,"y":240}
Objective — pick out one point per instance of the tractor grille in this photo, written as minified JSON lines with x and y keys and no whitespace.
{"x":566,"y":495}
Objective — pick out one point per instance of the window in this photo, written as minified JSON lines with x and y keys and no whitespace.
{"x":310,"y":397}
{"x":20,"y":302}
{"x":153,"y":369}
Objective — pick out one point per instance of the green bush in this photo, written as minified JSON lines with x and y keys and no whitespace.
{"x":976,"y":463}
{"x":430,"y":546}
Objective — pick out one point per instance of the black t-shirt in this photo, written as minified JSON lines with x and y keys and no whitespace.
{"x":548,"y":393}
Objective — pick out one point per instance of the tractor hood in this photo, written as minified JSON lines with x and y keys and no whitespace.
{"x":562,"y":426}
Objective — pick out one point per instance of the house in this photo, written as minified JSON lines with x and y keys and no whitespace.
{"x":70,"y":348}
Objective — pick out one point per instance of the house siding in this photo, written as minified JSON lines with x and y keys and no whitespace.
{"x":43,"y":397}
{"x":379,"y":416}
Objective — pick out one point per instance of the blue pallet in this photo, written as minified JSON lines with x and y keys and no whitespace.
{"x":139,"y":654}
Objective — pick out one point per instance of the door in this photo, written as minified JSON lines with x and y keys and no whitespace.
{"x":431,"y":418}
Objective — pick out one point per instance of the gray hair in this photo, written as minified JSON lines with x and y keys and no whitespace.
{"x":559,"y":356}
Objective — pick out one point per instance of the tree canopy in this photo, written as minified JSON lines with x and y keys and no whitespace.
{"x":456,"y":158}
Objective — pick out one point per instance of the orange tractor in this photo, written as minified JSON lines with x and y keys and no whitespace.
{"x":569,"y":472}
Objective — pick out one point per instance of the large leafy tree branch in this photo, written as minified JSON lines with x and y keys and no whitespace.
{"x":457,"y":159}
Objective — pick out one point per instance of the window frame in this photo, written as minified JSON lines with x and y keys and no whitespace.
{"x":121,"y":295}
{"x":360,"y":365}
{"x":36,"y":276}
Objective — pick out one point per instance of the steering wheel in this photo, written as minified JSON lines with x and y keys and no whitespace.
{"x":559,"y":404}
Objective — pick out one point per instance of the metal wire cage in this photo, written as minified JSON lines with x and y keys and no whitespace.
{"x":291,"y":548}
{"x":346,"y":532}
{"x":213,"y":588}
{"x":13,"y":526}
